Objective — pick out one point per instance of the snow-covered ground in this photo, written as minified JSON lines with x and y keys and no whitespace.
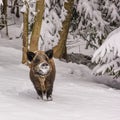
{"x":76,"y":96}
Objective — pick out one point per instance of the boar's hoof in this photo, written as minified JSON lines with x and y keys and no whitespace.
{"x":49,"y":98}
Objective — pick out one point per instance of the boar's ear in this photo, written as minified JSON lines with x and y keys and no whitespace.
{"x":30,"y":55}
{"x":49,"y":53}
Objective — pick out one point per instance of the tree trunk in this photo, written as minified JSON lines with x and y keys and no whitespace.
{"x":4,"y":12}
{"x":60,"y":50}
{"x":4,"y":9}
{"x":25,"y":35}
{"x":13,"y":7}
{"x":37,"y":25}
{"x":17,"y":11}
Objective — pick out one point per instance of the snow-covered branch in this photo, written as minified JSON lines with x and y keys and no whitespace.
{"x":95,"y":19}
{"x":108,"y":55}
{"x":111,"y":45}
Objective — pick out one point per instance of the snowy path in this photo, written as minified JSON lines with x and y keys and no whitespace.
{"x":76,"y":96}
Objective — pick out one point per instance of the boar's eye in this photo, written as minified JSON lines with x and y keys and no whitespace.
{"x":36,"y":60}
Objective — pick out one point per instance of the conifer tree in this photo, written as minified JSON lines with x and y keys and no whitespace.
{"x":93,"y":20}
{"x":107,"y":56}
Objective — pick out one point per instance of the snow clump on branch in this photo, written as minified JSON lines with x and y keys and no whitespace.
{"x":108,"y":55}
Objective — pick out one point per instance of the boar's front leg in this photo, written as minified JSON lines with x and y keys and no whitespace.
{"x":39,"y":92}
{"x":49,"y":93}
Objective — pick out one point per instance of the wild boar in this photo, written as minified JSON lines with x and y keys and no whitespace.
{"x":42,"y":72}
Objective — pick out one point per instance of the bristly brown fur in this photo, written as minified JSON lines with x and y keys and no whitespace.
{"x":43,"y":84}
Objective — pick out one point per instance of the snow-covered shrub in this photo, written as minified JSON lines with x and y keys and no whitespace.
{"x":108,"y":55}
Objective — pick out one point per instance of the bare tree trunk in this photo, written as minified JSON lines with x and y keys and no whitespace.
{"x":4,"y":12}
{"x":25,"y":35}
{"x":13,"y":7}
{"x":60,"y":50}
{"x":37,"y":25}
{"x":4,"y":9}
{"x":17,"y":11}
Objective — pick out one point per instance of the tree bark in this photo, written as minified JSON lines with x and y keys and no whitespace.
{"x":37,"y":25}
{"x":4,"y":9}
{"x":4,"y":12}
{"x":17,"y":11}
{"x":25,"y":35}
{"x":60,"y":50}
{"x":13,"y":7}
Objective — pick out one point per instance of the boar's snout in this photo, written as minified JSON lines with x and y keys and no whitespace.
{"x":43,"y":68}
